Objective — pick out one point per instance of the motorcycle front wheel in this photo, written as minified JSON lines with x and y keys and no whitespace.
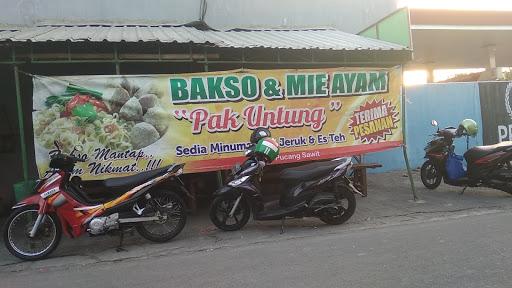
{"x":430,"y":175}
{"x":221,"y":208}
{"x":17,"y":229}
{"x":171,"y":209}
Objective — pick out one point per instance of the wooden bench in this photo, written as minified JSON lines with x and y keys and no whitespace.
{"x":359,"y":177}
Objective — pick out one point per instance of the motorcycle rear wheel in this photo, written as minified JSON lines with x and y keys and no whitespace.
{"x":430,"y":175}
{"x":20,"y":244}
{"x":172,"y":208}
{"x":220,"y":209}
{"x":346,"y":207}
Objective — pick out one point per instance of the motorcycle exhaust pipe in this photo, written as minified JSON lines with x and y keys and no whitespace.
{"x":500,"y":185}
{"x":140,"y":219}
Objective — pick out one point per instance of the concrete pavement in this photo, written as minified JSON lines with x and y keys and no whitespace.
{"x":467,"y":252}
{"x":388,"y":204}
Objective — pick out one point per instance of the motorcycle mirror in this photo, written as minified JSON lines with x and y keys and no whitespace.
{"x":236,"y":168}
{"x":57,"y":144}
{"x":434,"y":123}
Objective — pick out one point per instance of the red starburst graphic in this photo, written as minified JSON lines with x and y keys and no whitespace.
{"x":373,"y":121}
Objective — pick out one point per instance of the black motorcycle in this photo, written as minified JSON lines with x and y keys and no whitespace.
{"x":487,"y":166}
{"x":319,"y":189}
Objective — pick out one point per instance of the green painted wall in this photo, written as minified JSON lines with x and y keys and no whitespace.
{"x":370,"y":32}
{"x":394,"y":28}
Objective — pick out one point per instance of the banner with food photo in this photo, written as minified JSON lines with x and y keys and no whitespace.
{"x":130,"y":124}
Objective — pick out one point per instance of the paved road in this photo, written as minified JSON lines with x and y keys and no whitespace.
{"x":472,"y":251}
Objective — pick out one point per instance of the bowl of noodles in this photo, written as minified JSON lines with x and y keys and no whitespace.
{"x":123,"y":118}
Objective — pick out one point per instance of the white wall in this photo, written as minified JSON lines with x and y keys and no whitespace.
{"x":347,"y":15}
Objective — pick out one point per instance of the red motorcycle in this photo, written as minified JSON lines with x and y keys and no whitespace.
{"x":62,"y":205}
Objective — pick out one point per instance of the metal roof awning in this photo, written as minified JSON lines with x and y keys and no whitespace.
{"x":190,"y":48}
{"x":323,"y":39}
{"x":460,"y":39}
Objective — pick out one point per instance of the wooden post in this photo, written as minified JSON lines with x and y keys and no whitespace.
{"x":23,"y":146}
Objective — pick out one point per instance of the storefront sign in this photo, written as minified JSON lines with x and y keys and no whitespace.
{"x":129,"y":124}
{"x":496,"y":107}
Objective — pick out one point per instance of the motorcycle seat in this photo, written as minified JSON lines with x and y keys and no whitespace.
{"x":83,"y":196}
{"x":108,"y":189}
{"x":95,"y":192}
{"x":478,"y":152}
{"x":127,"y":181}
{"x":309,"y":171}
{"x":134,"y":180}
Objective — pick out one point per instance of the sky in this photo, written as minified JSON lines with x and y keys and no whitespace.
{"x":416,"y":77}
{"x":493,"y":5}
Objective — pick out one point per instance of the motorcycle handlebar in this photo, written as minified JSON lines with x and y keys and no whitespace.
{"x":73,"y":158}
{"x":449,"y":132}
{"x":76,"y":159}
{"x":59,"y":152}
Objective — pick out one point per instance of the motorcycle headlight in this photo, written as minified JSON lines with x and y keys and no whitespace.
{"x":238,"y":181}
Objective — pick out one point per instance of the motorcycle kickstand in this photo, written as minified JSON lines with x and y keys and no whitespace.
{"x":463,"y":190}
{"x":282,"y":225}
{"x":121,"y":239}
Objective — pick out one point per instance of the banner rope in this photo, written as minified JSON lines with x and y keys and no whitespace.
{"x":45,"y":77}
{"x":26,"y":73}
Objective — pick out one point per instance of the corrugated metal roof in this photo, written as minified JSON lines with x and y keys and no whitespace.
{"x":288,"y":39}
{"x":4,"y":31}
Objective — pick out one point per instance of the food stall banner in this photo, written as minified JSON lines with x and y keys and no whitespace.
{"x":134,"y":123}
